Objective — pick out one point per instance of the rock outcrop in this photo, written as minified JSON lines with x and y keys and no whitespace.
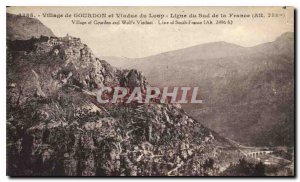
{"x":55,"y":126}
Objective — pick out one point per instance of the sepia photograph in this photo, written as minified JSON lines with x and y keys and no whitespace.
{"x":150,"y":91}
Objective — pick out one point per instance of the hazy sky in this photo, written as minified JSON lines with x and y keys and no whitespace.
{"x":144,"y":40}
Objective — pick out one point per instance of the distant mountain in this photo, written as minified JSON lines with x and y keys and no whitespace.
{"x":23,"y":28}
{"x":118,"y":62}
{"x":248,"y":92}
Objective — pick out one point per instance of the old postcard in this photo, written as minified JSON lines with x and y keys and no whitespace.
{"x":150,"y":91}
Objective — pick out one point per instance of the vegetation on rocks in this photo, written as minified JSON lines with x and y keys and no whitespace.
{"x":55,"y":126}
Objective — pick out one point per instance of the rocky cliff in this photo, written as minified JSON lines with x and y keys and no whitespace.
{"x":56,"y":127}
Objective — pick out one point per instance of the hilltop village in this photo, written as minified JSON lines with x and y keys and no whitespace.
{"x":64,"y":47}
{"x":67,"y":46}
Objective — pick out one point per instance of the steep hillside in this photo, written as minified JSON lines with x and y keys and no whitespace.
{"x":23,"y":28}
{"x":55,"y":126}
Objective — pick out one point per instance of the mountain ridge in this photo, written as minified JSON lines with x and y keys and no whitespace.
{"x":228,"y":78}
{"x":55,"y":127}
{"x":203,"y":50}
{"x":24,"y":28}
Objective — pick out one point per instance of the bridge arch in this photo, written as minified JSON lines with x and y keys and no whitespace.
{"x":257,"y":153}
